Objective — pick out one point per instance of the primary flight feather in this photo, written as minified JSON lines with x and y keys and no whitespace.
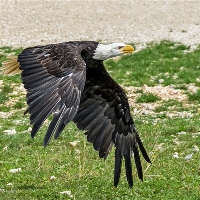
{"x":69,"y":81}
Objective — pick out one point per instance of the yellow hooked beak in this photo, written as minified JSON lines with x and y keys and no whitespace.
{"x":127,"y":49}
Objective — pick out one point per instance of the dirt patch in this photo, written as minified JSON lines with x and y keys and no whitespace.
{"x":165,"y":93}
{"x":131,"y":21}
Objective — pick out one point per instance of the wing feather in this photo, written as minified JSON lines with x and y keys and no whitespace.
{"x":104,"y":113}
{"x":128,"y":167}
{"x":53,"y":125}
{"x":89,"y":119}
{"x":39,"y":98}
{"x":101,"y":142}
{"x":95,"y":129}
{"x":118,"y":161}
{"x":38,"y":111}
{"x":54,"y":77}
{"x":100,"y":134}
{"x":42,"y":117}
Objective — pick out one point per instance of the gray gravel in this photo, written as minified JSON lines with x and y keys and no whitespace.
{"x":27,"y":23}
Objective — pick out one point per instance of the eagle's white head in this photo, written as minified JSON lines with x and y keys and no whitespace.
{"x":105,"y":51}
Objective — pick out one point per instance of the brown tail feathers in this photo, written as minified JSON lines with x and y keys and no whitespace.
{"x":10,"y":67}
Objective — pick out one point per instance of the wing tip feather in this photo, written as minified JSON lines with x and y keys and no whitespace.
{"x":128,"y":167}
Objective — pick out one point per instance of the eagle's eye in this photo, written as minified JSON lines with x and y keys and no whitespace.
{"x":119,"y":47}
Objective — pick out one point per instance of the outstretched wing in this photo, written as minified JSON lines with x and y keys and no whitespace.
{"x":54,"y":77}
{"x":104,"y":113}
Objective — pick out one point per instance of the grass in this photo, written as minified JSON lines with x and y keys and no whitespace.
{"x":78,"y":169}
{"x":195,"y":96}
{"x":4,"y":92}
{"x":154,"y":62}
{"x":147,"y":98}
{"x":171,"y":105}
{"x":20,"y":104}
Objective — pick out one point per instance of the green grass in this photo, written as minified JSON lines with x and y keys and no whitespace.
{"x":4,"y":92}
{"x":20,"y":104}
{"x":195,"y":96}
{"x":147,"y":98}
{"x":84,"y":174}
{"x":4,"y":109}
{"x":171,"y":105}
{"x":154,"y":61}
{"x":181,"y":87}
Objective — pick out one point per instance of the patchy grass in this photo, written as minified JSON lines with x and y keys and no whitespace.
{"x":181,"y":87}
{"x":194,"y":96}
{"x":157,"y":61}
{"x":171,"y":105}
{"x":4,"y":109}
{"x":78,"y":169}
{"x":20,"y":104}
{"x":4,"y":91}
{"x":147,"y":98}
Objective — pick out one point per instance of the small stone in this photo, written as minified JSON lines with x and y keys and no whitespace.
{"x":166,"y":74}
{"x":149,"y":107}
{"x":161,"y":81}
{"x":5,"y":148}
{"x":10,"y":132}
{"x":15,"y":170}
{"x":52,"y":177}
{"x":176,"y":141}
{"x":68,"y":193}
{"x":182,"y":68}
{"x":74,"y":143}
{"x":188,"y":157}
{"x":2,"y":190}
{"x":135,"y":111}
{"x":159,"y":147}
{"x":175,"y":155}
{"x":174,"y":77}
{"x":77,"y":151}
{"x":195,"y":148}
{"x":146,"y":112}
{"x":181,"y":133}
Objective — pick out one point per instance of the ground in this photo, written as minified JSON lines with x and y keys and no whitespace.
{"x":27,"y":23}
{"x":162,"y":83}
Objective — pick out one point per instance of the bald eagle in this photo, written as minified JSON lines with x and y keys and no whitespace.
{"x":69,"y":81}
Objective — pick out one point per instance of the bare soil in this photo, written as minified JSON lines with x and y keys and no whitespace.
{"x":26,"y":23}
